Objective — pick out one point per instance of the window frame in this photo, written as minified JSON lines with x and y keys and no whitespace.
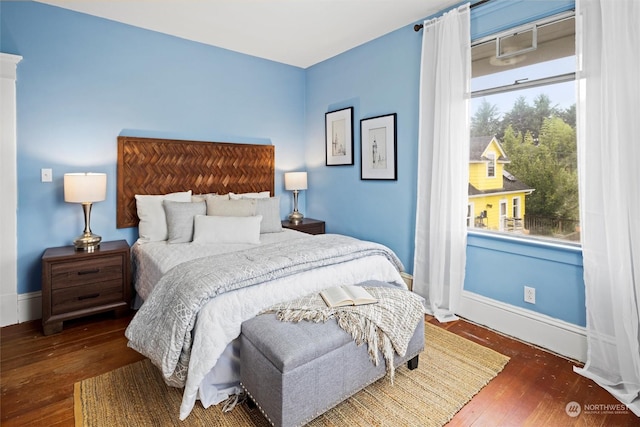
{"x":518,"y":86}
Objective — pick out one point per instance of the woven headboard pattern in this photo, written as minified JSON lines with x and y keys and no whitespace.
{"x":161,"y":166}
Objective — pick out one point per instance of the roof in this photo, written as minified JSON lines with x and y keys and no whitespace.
{"x":478,"y":145}
{"x":510,"y":184}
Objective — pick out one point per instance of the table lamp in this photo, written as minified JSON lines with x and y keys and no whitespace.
{"x":85,"y":188}
{"x":295,"y":181}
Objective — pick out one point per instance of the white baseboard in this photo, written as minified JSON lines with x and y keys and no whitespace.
{"x":556,"y":335}
{"x":29,"y":306}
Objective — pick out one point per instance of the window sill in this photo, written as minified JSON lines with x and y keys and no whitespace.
{"x":557,"y":251}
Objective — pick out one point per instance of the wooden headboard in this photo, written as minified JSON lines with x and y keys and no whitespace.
{"x":161,"y":166}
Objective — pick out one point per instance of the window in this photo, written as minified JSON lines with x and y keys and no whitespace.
{"x":516,"y":207}
{"x":491,"y":165}
{"x":523,"y":120}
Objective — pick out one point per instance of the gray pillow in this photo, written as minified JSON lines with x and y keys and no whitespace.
{"x":269,"y":208}
{"x":180,"y":219}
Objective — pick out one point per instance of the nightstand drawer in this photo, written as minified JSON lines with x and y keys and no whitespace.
{"x":76,"y":273}
{"x":86,"y":296}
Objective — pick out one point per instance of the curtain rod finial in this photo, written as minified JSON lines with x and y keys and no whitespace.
{"x":417,"y":27}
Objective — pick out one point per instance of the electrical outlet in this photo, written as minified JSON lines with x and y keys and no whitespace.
{"x":529,"y":294}
{"x":46,"y":175}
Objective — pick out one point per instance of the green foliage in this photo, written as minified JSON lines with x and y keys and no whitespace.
{"x":540,"y":141}
{"x":486,"y":120}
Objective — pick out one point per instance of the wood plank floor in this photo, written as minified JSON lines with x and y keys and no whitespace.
{"x":37,"y":376}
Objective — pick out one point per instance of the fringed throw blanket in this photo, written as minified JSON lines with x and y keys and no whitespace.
{"x":387,"y":325}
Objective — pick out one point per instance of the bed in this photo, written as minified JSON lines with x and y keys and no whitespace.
{"x":235,"y":260}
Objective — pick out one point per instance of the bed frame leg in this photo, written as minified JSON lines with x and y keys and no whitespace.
{"x":412,"y":363}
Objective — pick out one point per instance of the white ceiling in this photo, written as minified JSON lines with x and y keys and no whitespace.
{"x":295,"y":32}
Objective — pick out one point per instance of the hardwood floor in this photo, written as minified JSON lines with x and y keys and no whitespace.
{"x":37,"y":376}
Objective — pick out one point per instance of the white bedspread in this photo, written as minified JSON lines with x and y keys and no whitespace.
{"x":218,"y":323}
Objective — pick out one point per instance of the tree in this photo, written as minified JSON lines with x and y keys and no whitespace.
{"x":542,"y":110}
{"x":540,"y":141}
{"x":521,"y":117}
{"x":485,"y":121}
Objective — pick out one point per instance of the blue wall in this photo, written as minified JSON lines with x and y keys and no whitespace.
{"x":85,"y":80}
{"x":382,"y":77}
{"x":377,"y":78}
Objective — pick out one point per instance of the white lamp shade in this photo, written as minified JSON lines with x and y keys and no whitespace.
{"x":85,"y":187}
{"x":295,"y":180}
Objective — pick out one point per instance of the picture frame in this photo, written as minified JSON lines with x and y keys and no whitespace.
{"x":378,"y":148}
{"x":339,"y":137}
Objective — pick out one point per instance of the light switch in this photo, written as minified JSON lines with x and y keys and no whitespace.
{"x":46,"y":175}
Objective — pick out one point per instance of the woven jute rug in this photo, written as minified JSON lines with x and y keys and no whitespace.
{"x":451,"y":371}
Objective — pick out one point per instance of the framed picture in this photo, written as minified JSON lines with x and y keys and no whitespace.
{"x":339,"y":137}
{"x":378,"y":148}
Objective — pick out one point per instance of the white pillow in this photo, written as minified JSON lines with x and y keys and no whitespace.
{"x":221,"y":207}
{"x":227,"y":229}
{"x":260,"y":195}
{"x":269,"y":208}
{"x":180,"y":219}
{"x":153,"y":222}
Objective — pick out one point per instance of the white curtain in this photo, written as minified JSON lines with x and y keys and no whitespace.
{"x":608,"y":111}
{"x":443,"y":162}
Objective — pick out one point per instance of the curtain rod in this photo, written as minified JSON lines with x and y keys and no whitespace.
{"x":418,"y":27}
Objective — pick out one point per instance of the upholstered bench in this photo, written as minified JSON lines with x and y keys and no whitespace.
{"x":294,"y":372}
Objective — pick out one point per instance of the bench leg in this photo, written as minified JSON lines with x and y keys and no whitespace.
{"x":250,"y":403}
{"x":412,"y":363}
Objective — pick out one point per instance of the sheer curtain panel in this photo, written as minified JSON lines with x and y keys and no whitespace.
{"x":443,"y":162}
{"x":608,"y":43}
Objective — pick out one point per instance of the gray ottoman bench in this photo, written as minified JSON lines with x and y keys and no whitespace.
{"x":295,"y":372}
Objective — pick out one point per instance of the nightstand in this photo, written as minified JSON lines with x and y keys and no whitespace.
{"x":308,"y":225}
{"x":78,"y":283}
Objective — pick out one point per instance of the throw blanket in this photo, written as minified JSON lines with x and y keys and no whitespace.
{"x":162,"y":328}
{"x":387,"y":325}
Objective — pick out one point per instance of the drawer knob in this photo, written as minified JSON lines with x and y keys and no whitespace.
{"x":92,"y":271}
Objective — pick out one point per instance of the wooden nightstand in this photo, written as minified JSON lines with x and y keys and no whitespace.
{"x":78,"y":283}
{"x":308,"y":225}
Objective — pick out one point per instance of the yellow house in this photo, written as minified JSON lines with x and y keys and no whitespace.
{"x":496,"y":198}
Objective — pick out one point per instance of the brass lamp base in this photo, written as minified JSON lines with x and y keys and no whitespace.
{"x":88,"y":242}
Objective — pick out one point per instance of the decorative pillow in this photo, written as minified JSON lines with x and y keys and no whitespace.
{"x":217,"y":197}
{"x":220,"y":207}
{"x":203,"y":197}
{"x":227,"y":229}
{"x":180,"y":219}
{"x":153,"y":223}
{"x":270,"y":210}
{"x":260,"y":195}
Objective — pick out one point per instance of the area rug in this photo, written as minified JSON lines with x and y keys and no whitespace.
{"x":451,"y":371}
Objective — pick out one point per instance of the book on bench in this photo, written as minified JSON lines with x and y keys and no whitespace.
{"x":340,"y":296}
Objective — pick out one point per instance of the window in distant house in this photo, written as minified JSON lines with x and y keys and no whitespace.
{"x":516,"y":207}
{"x":491,"y":165}
{"x":470,"y":215}
{"x":523,"y":106}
